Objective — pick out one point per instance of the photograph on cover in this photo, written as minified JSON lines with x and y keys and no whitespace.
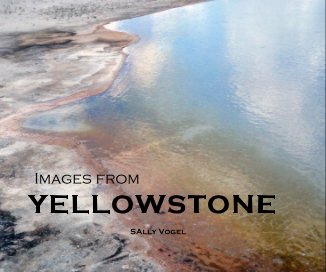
{"x":162,"y":135}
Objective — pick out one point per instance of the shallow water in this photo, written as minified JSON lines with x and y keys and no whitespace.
{"x":221,"y":98}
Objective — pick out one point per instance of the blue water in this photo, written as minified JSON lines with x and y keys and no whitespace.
{"x":253,"y":69}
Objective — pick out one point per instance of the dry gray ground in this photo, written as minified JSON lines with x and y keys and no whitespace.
{"x":26,"y":15}
{"x":41,"y":242}
{"x":48,"y":52}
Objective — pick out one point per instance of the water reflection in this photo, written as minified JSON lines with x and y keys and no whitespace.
{"x":238,"y":88}
{"x":277,"y":54}
{"x":248,"y":66}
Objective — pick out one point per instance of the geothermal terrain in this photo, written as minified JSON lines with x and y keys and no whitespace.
{"x":54,"y":53}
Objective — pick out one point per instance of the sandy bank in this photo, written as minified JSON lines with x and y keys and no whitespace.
{"x":27,"y":16}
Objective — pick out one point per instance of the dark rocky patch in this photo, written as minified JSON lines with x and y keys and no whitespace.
{"x":12,"y":242}
{"x":50,"y":39}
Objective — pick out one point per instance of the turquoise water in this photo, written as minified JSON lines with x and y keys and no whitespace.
{"x":225,"y":97}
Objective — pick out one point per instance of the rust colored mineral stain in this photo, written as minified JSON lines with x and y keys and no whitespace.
{"x":177,"y":254}
{"x":11,"y":125}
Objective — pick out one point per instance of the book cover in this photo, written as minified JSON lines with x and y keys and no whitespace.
{"x":164,"y":135}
